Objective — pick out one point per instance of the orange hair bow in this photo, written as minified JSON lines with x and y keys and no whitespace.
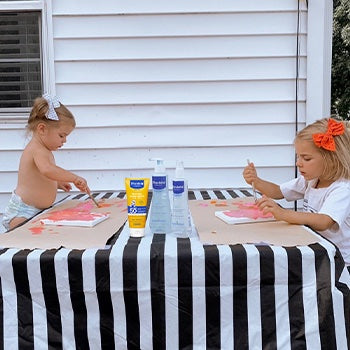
{"x":326,"y":140}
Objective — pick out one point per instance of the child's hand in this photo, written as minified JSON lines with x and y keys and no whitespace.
{"x":249,"y":173}
{"x":268,"y":205}
{"x":65,"y":186}
{"x":81,"y":184}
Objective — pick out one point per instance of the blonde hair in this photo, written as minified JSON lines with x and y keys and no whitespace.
{"x":337,"y":162}
{"x":39,"y":112}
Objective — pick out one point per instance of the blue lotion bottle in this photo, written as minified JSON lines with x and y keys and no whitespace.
{"x":160,"y":212}
{"x":180,"y":215}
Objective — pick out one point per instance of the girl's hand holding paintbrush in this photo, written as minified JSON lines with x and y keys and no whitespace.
{"x":250,"y":175}
{"x":265,"y":187}
{"x":82,"y":185}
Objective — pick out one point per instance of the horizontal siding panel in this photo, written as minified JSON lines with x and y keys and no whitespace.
{"x":163,"y":137}
{"x":188,"y":114}
{"x":178,"y":47}
{"x":177,"y":25}
{"x":68,"y":7}
{"x":193,"y":92}
{"x":198,"y":136}
{"x":178,"y":70}
{"x":196,"y":157}
{"x":182,"y":114}
{"x":197,"y":178}
{"x":205,"y":81}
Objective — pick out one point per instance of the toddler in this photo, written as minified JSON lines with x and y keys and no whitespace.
{"x":49,"y":123}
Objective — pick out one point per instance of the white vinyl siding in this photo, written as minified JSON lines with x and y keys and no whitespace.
{"x":210,"y":83}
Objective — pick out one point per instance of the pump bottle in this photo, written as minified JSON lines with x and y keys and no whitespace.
{"x":180,"y":214}
{"x":160,"y":212}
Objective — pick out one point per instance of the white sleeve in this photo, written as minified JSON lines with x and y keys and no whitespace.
{"x":337,"y":204}
{"x":294,"y":189}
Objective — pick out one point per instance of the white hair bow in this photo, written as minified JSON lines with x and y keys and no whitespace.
{"x":53,"y":103}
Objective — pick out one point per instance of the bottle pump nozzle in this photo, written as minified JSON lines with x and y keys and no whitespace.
{"x":179,"y":172}
{"x":159,"y":167}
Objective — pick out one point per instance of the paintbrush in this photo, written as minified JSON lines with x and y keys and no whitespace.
{"x":253,"y":186}
{"x":94,"y":200}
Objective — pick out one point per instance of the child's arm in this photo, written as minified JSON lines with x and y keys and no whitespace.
{"x":268,"y":188}
{"x":318,"y":222}
{"x":65,"y":186}
{"x":45,"y":163}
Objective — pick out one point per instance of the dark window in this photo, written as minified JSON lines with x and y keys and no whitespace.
{"x":20,"y":59}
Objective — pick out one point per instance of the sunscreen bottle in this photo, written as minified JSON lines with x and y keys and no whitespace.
{"x":160,"y":212}
{"x":137,"y":196}
{"x":180,"y":213}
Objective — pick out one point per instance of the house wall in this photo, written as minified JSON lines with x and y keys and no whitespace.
{"x":211,"y":83}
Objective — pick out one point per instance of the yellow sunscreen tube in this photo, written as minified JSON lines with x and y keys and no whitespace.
{"x":137,"y":197}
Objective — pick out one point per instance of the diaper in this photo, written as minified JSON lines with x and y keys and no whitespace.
{"x":17,"y":208}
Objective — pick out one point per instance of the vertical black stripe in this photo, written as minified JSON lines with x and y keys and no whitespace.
{"x":121,"y":195}
{"x":191,"y":195}
{"x":339,"y":266}
{"x":158,"y":291}
{"x":246,"y":193}
{"x":295,"y":298}
{"x":324,"y":297}
{"x":78,"y":196}
{"x":24,"y":300}
{"x":205,"y":194}
{"x":53,"y":312}
{"x":75,"y":272}
{"x":103,"y":292}
{"x":111,"y":240}
{"x":240,"y":305}
{"x":212,"y":296}
{"x":185,"y":296}
{"x":267,"y":297}
{"x":232,"y":193}
{"x":219,"y":194}
{"x":130,"y":293}
{"x":1,"y":318}
{"x":2,"y":251}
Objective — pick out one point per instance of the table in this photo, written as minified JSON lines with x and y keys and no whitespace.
{"x":162,"y":292}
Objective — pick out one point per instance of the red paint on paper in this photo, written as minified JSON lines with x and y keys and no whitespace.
{"x":221,"y":204}
{"x":104,"y":205}
{"x":82,"y":212}
{"x":247,"y":210}
{"x":36,"y":230}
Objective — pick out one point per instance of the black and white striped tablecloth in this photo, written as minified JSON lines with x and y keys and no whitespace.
{"x":162,"y":292}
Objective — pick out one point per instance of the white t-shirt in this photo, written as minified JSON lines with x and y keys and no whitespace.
{"x":333,"y":201}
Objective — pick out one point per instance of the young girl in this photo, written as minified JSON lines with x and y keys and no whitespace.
{"x":323,"y":161}
{"x":50,"y":122}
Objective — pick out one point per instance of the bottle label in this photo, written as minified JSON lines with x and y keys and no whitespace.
{"x":135,"y":210}
{"x":178,"y":187}
{"x":137,"y":183}
{"x":158,"y":182}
